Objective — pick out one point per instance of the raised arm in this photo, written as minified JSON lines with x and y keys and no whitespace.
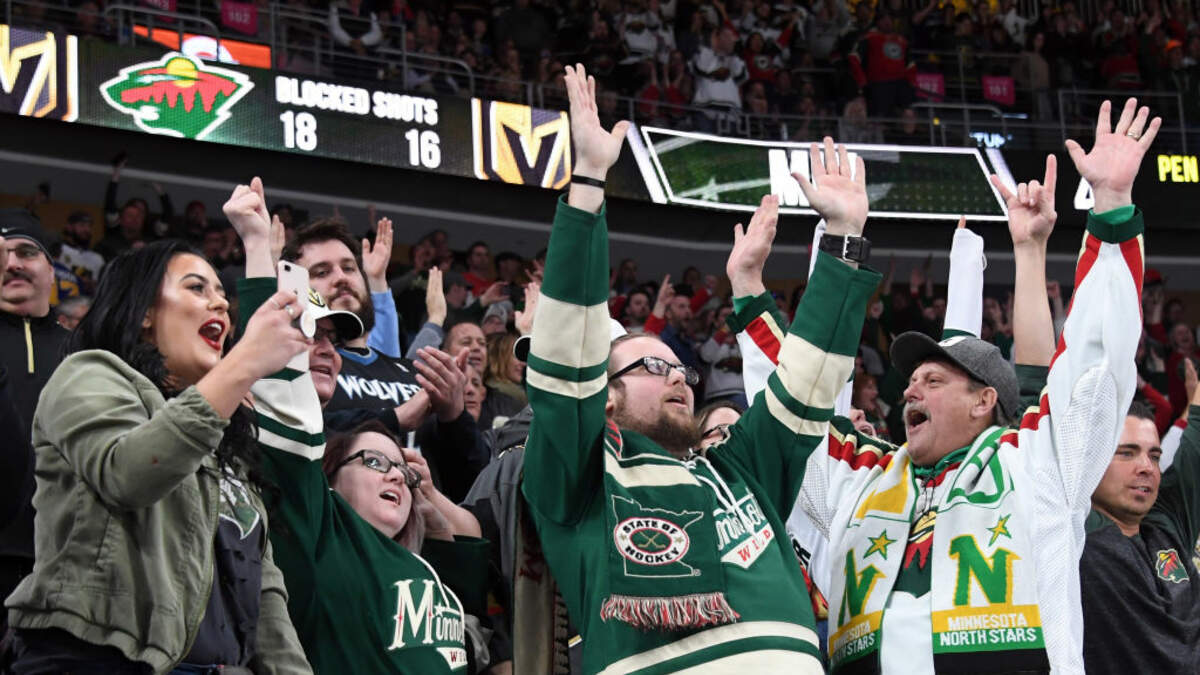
{"x":1092,"y":375}
{"x":568,"y":357}
{"x":788,"y":419}
{"x":964,"y":289}
{"x":1031,"y":219}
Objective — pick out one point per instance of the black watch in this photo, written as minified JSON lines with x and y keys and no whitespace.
{"x":846,"y":247}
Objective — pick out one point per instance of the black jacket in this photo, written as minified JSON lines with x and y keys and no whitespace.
{"x":30,"y":350}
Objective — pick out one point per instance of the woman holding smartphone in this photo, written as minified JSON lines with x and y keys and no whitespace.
{"x":151,"y":538}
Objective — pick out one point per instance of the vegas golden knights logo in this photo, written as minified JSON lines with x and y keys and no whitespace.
{"x":515,"y":143}
{"x":39,"y":74}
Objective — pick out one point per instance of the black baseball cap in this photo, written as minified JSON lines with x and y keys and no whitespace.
{"x":21,"y":224}
{"x":980,"y":359}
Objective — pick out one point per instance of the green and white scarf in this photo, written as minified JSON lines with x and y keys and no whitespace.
{"x":664,"y":570}
{"x":983,"y":593}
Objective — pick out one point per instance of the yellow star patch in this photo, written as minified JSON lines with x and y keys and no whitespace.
{"x":1000,"y":528}
{"x":879,"y":545}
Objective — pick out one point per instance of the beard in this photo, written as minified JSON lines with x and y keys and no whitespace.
{"x":365,"y":311}
{"x":676,"y":435}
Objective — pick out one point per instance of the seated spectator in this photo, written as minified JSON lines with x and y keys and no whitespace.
{"x":479,"y":268}
{"x":495,"y":319}
{"x":171,"y":470}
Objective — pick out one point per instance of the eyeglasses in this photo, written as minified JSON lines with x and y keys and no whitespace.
{"x":377,"y":461}
{"x":330,"y":334}
{"x":721,"y":431}
{"x":657,"y":366}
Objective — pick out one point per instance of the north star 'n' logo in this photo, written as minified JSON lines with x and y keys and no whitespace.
{"x":1169,"y":567}
{"x":176,"y":95}
{"x":994,"y":576}
{"x":518,"y":144}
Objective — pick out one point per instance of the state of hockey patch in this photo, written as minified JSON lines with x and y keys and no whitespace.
{"x":653,"y":542}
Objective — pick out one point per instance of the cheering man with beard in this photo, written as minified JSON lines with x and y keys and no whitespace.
{"x":370,"y":378}
{"x":670,"y":558}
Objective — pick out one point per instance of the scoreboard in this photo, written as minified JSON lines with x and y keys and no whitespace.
{"x":156,"y":90}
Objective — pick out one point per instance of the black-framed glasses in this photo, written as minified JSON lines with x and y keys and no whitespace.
{"x":377,"y":461}
{"x":720,"y":431}
{"x":330,"y":334}
{"x":657,"y":366}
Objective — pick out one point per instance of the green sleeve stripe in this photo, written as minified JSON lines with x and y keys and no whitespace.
{"x":252,"y":293}
{"x":1109,"y":226}
{"x":287,"y":375}
{"x":954,"y":332}
{"x":280,"y":429}
{"x":830,"y":315}
{"x":577,"y":257}
{"x":747,"y":309}
{"x":561,"y":372}
{"x":811,"y":413}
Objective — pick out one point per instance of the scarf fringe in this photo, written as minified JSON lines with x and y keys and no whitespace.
{"x":670,"y":613}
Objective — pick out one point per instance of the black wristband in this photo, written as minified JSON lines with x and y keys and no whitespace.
{"x":584,"y":180}
{"x":846,"y":247}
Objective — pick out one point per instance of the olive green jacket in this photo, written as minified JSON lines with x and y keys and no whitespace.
{"x":127,"y":510}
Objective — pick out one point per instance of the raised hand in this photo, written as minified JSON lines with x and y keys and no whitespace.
{"x":595,"y":149}
{"x":666,"y":293}
{"x":271,"y":338}
{"x":840,"y":199}
{"x":278,"y":239}
{"x":524,"y":319}
{"x":376,"y":258}
{"x":417,"y":463}
{"x":1031,"y":214}
{"x":443,"y":377}
{"x":412,"y":412}
{"x":494,"y":293}
{"x":246,"y":210}
{"x":1117,"y":154}
{"x":435,"y":298}
{"x":751,"y":248}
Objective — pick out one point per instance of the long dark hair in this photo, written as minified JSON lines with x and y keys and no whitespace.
{"x":128,"y":289}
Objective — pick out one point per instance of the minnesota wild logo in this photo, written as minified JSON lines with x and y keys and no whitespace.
{"x":236,"y":506}
{"x":1169,"y":567}
{"x":176,"y":95}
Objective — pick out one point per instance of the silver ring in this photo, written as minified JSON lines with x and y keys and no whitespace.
{"x":291,"y":312}
{"x":1134,"y":136}
{"x":276,"y":304}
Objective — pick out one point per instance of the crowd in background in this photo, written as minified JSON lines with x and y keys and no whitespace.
{"x":823,"y":60}
{"x":484,"y":286}
{"x":417,"y":362}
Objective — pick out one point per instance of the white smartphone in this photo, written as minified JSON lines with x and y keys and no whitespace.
{"x":294,"y":278}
